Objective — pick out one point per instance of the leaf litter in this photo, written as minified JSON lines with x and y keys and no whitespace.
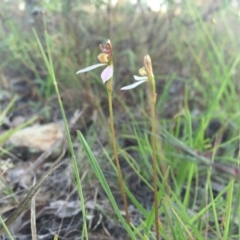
{"x":57,"y":204}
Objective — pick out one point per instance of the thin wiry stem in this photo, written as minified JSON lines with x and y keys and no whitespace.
{"x":154,"y":161}
{"x":152,"y":102}
{"x":113,"y":140}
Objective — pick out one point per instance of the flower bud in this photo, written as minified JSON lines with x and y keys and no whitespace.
{"x":148,"y":66}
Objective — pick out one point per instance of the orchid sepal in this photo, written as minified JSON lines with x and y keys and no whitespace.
{"x":131,"y":86}
{"x":140,"y":78}
{"x":87,"y":69}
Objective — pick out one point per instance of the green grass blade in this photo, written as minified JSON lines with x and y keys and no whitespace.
{"x":97,"y":169}
{"x":6,"y":228}
{"x":50,"y":67}
{"x":228,"y":210}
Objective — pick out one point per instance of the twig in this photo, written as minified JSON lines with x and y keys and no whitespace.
{"x":23,"y":204}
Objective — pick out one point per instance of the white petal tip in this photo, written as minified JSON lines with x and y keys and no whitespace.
{"x":131,"y":86}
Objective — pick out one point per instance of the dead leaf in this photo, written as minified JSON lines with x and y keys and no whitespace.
{"x":38,"y":137}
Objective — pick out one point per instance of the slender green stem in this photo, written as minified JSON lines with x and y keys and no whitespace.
{"x":113,"y":140}
{"x":152,"y":102}
{"x":154,"y":160}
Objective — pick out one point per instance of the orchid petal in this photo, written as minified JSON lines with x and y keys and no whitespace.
{"x":87,"y":69}
{"x":142,"y":71}
{"x":131,"y":86}
{"x":137,"y":78}
{"x":107,"y":73}
{"x":103,"y":57}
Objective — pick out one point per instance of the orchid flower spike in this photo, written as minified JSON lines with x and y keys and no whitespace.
{"x":145,"y":74}
{"x":105,"y":57}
